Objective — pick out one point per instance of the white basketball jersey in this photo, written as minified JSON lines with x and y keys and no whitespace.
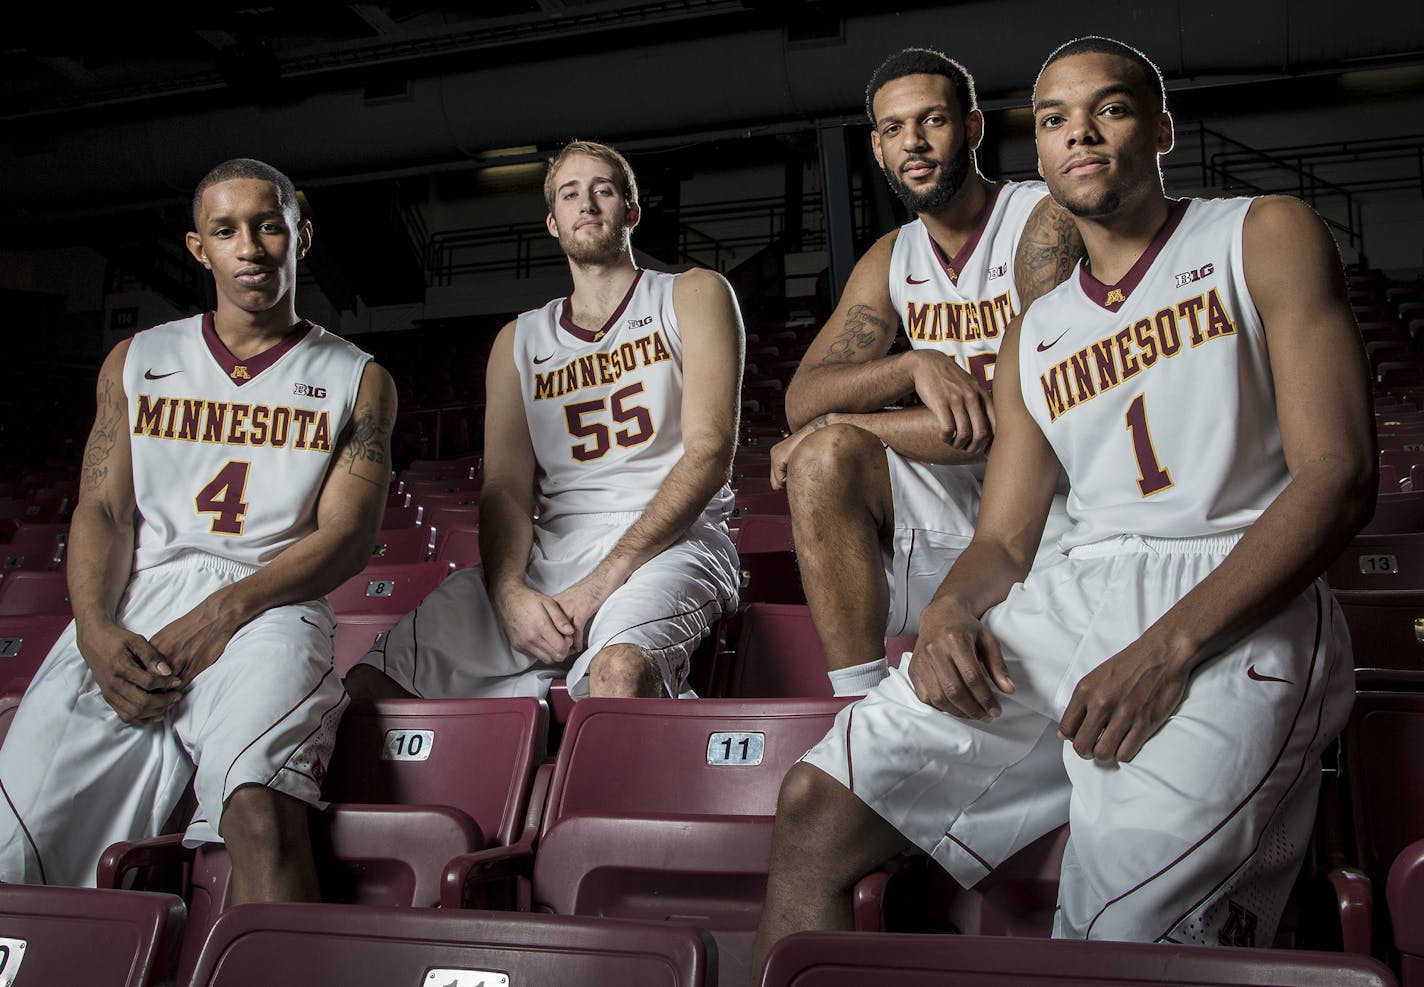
{"x":1156,"y":392}
{"x":961,"y":306}
{"x":605,"y":407}
{"x":229,"y":455}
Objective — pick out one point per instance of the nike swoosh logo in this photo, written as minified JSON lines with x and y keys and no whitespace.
{"x":543,"y":359}
{"x":1045,"y":346}
{"x":150,"y":375}
{"x":311,"y":622}
{"x":910,"y":279}
{"x":1251,"y":673}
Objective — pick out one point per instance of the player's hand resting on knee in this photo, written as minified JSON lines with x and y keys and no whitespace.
{"x":534,"y":623}
{"x":957,"y":663}
{"x":781,"y":452}
{"x":1118,"y":706}
{"x":131,"y":673}
{"x":960,"y":405}
{"x":582,"y":600}
{"x":197,"y":639}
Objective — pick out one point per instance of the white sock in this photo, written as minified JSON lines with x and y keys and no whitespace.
{"x":857,"y":679}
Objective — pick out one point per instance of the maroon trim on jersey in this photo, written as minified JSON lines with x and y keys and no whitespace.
{"x":580,"y":332}
{"x":252,"y":365}
{"x":39,"y":860}
{"x":1227,"y":872}
{"x":1100,"y":293}
{"x":969,"y":850}
{"x":850,"y":763}
{"x":227,"y":776}
{"x":955,"y":264}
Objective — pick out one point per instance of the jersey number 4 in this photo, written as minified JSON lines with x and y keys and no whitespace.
{"x":636,"y":417}
{"x":222,"y":496}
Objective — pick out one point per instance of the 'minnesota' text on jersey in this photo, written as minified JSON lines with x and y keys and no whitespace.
{"x":229,"y":456}
{"x":604,"y":407}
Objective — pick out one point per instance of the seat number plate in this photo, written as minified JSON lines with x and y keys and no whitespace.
{"x":12,"y":954}
{"x":735,"y":750}
{"x":465,"y":978}
{"x":1375,"y":565}
{"x":407,"y":745}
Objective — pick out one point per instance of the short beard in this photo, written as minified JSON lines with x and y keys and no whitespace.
{"x":1106,"y":204}
{"x":603,"y":250}
{"x":938,"y":196}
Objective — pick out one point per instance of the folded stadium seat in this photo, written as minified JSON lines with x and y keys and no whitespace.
{"x":48,"y":506}
{"x":381,"y":587}
{"x":464,"y":499}
{"x":1379,"y":582}
{"x":761,"y":503}
{"x":458,"y":544}
{"x":355,"y":634}
{"x":752,"y":483}
{"x":36,"y":546}
{"x":661,"y":811}
{"x":762,"y":533}
{"x":1384,"y":778}
{"x":850,"y":959}
{"x":1396,"y":373}
{"x":462,"y":467}
{"x":1403,"y":460}
{"x":283,"y":945}
{"x":1409,"y":439}
{"x":442,"y":516}
{"x":365,"y":854}
{"x":25,"y":593}
{"x":1394,"y":347}
{"x":1389,"y":479}
{"x":1397,"y":513}
{"x":418,"y":487}
{"x":476,"y":755}
{"x":401,"y":515}
{"x":778,"y":655}
{"x":24,"y":643}
{"x":55,"y":936}
{"x":402,"y":545}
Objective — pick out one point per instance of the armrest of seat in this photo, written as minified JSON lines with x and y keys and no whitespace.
{"x":121,"y":860}
{"x":868,"y":896}
{"x":1354,"y":895}
{"x":1404,"y":890}
{"x":497,"y":879}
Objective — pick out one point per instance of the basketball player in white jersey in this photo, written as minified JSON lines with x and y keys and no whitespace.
{"x":235,"y":473}
{"x":611,"y":415}
{"x":881,"y":493}
{"x":1168,"y":687}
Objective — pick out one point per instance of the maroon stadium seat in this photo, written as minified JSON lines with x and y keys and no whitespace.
{"x":477,"y":755}
{"x":303,"y":945}
{"x":60,"y":936}
{"x":400,"y":516}
{"x":1379,"y":581}
{"x":458,"y":544}
{"x":36,"y":546}
{"x":1396,"y":513}
{"x":402,"y":545}
{"x":34,"y":593}
{"x":9,"y":702}
{"x":662,"y":810}
{"x":778,"y":654}
{"x":761,"y":503}
{"x":381,"y":587}
{"x":763,"y":533}
{"x":24,"y":643}
{"x":851,"y":959}
{"x":365,"y":854}
{"x":1405,"y":894}
{"x":355,"y":633}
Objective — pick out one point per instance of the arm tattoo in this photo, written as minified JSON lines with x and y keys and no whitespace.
{"x":817,"y":423}
{"x":102,"y":438}
{"x":1048,"y":251}
{"x":863,"y":328}
{"x":367,"y":441}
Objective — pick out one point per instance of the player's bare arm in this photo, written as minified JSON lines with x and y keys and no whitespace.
{"x":130,"y":672}
{"x":1049,"y":249}
{"x":713,"y":343}
{"x":348,"y":518}
{"x":533,"y":622}
{"x":957,"y":663}
{"x":1295,"y":277}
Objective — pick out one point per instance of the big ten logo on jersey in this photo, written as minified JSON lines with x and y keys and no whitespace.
{"x":309,"y":390}
{"x":1187,"y":277}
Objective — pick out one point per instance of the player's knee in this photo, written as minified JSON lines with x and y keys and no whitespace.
{"x":807,"y":804}
{"x":260,"y":824}
{"x":625,"y":671}
{"x":837,"y":464}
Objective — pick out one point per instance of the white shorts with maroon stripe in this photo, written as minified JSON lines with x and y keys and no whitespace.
{"x":451,"y":646}
{"x":1199,"y":837}
{"x":936,"y":507}
{"x":76,"y":778}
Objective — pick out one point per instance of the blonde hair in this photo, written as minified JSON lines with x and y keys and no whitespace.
{"x":594,"y":150}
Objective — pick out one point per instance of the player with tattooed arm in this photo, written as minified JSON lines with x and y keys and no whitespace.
{"x":236,"y":472}
{"x":883,"y":501}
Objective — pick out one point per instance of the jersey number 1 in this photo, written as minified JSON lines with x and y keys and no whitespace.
{"x":1151,"y":477}
{"x":222,"y":496}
